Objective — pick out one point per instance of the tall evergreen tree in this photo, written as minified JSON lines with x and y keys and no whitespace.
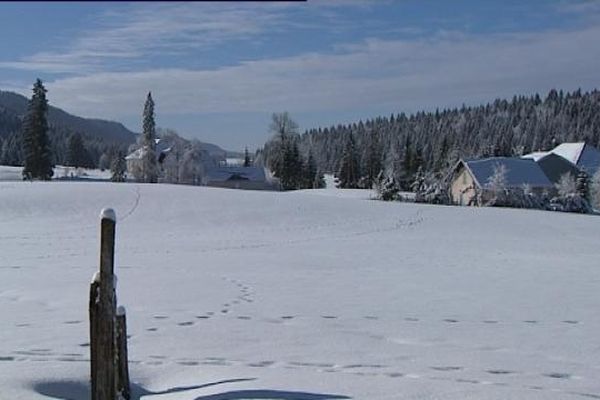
{"x":284,"y":155}
{"x":310,"y":172}
{"x":77,"y":154}
{"x":118,"y":168}
{"x":582,"y":185}
{"x":247,"y":161}
{"x":291,"y":174}
{"x":36,"y":148}
{"x":149,"y":161}
{"x":349,"y":172}
{"x":373,"y":162}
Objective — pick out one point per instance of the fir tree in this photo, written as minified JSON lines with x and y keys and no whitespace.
{"x":349,"y":172}
{"x":12,"y":150}
{"x":118,"y":168}
{"x":311,"y":178}
{"x":284,"y":159}
{"x":386,"y":187}
{"x":292,"y":168}
{"x":247,"y":161}
{"x":149,"y":161}
{"x":77,"y":154}
{"x":36,"y":148}
{"x":373,"y":163}
{"x":582,"y":186}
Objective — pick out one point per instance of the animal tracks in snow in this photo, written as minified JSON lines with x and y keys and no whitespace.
{"x":439,"y":373}
{"x":244,"y":295}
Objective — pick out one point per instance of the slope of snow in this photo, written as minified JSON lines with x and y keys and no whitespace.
{"x":266,"y":295}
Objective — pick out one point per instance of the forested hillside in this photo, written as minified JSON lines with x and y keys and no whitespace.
{"x":435,"y":140}
{"x":99,"y":136}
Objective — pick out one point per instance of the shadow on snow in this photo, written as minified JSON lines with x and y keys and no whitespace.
{"x":77,"y":390}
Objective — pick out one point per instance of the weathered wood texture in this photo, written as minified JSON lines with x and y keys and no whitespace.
{"x":122,"y":361}
{"x":108,"y":332}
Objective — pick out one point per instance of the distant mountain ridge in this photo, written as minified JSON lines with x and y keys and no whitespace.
{"x":100,"y":136}
{"x":13,"y":107}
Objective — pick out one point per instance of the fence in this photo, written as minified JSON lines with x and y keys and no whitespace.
{"x":108,"y":327}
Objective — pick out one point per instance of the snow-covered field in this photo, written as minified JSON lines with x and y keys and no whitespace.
{"x":258,"y":295}
{"x":8,"y":173}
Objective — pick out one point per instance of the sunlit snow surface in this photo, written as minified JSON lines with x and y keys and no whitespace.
{"x":258,"y":295}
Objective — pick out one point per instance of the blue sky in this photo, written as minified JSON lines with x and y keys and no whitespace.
{"x":219,"y":70}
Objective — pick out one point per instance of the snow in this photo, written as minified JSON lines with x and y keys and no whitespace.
{"x":294,"y":295}
{"x":121,"y":311}
{"x":569,"y":151}
{"x":108,"y":213}
{"x":536,"y":155}
{"x":8,"y":173}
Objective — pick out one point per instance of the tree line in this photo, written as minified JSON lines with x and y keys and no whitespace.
{"x":282,"y":155}
{"x":422,"y":147}
{"x":69,"y":141}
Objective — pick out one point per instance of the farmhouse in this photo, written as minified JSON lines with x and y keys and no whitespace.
{"x":472,"y":178}
{"x":236,"y":177}
{"x":134,"y":159}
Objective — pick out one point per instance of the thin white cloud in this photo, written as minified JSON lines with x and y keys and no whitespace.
{"x":402,"y":74}
{"x":176,"y":29}
{"x":153,"y":29}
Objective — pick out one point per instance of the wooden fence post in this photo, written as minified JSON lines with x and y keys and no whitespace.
{"x":122,"y":361}
{"x":103,"y":352}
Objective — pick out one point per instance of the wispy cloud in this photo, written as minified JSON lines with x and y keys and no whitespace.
{"x":403,"y":74}
{"x":154,"y":29}
{"x":159,"y":30}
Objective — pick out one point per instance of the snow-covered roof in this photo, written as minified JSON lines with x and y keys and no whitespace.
{"x":581,"y":154}
{"x":234,"y":161}
{"x":136,"y":155}
{"x":519,"y":171}
{"x":536,"y":155}
{"x":569,"y":151}
{"x":222,"y":174}
{"x":162,"y":146}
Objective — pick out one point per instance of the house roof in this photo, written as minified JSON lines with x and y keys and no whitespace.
{"x":519,"y":171}
{"x":555,"y":166}
{"x":581,"y":154}
{"x":536,"y":155}
{"x":162,"y":146}
{"x":221,"y":174}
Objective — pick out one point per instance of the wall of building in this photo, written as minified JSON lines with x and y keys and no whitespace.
{"x":462,"y":189}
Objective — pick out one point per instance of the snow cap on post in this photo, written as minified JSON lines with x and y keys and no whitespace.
{"x":108,"y":213}
{"x":121,"y":310}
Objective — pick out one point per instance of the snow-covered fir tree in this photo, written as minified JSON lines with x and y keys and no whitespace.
{"x":118,"y":168}
{"x":349,"y":173}
{"x":36,"y":146}
{"x":386,"y":187}
{"x":149,"y":161}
